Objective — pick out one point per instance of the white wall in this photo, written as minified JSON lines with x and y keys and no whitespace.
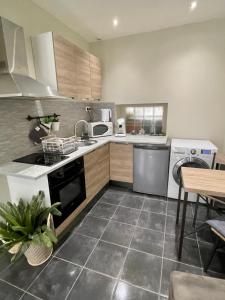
{"x":184,"y":66}
{"x":34,"y":20}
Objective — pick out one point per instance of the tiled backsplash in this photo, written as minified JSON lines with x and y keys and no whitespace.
{"x":14,"y":128}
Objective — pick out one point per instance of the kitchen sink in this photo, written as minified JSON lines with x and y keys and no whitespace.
{"x":86,"y":143}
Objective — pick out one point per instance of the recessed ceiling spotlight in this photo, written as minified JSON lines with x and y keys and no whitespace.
{"x":193,"y":5}
{"x":115,"y":22}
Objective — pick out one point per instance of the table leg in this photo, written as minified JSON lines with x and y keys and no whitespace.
{"x":178,"y":202}
{"x":196,"y":211}
{"x":182,"y":226}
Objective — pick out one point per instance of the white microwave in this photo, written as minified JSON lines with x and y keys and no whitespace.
{"x":97,"y":129}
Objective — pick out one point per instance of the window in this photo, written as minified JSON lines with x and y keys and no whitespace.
{"x":148,"y":119}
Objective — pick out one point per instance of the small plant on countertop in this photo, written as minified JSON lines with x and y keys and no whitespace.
{"x":47,"y":120}
{"x":55,"y":119}
{"x":26,"y":224}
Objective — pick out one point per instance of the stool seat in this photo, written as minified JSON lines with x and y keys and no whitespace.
{"x":218,"y":225}
{"x":186,"y":286}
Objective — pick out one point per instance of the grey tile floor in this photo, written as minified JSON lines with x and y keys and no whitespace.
{"x":124,"y":248}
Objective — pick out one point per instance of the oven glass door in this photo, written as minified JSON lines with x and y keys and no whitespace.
{"x":100,"y":129}
{"x":70,"y":194}
{"x":67,"y":186}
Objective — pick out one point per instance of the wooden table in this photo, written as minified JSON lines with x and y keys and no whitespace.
{"x":199,"y":181}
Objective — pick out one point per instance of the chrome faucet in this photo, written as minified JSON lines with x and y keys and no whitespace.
{"x":75,"y":126}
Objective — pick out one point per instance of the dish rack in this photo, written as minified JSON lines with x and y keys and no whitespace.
{"x":55,"y":145}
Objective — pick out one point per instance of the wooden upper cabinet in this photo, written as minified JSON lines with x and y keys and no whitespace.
{"x":95,"y":68}
{"x":66,"y":67}
{"x":78,"y":72}
{"x":83,"y":80}
{"x":62,"y":65}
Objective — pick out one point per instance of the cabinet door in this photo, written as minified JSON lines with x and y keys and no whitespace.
{"x":103,"y":168}
{"x":83,"y":78}
{"x":95,"y":67}
{"x":96,"y":166}
{"x":121,"y":162}
{"x":65,"y":66}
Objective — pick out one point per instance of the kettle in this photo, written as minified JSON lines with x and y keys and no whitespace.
{"x":106,"y":114}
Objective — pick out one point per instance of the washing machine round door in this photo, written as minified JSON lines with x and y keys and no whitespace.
{"x":190,"y":162}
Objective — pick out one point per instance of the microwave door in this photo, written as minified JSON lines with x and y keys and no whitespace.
{"x":100,"y":129}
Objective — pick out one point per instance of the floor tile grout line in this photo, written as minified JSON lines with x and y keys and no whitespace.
{"x":30,"y":285}
{"x":85,"y":268}
{"x":137,"y":227}
{"x":139,"y":287}
{"x":28,"y":293}
{"x":109,"y":220}
{"x":73,"y":232}
{"x":112,"y":204}
{"x":109,"y":276}
{"x":163,"y":250}
{"x":113,"y":220}
{"x":148,"y":253}
{"x":122,"y":267}
{"x":18,"y":288}
{"x":199,"y":252}
{"x":89,"y":256}
{"x":129,"y":246}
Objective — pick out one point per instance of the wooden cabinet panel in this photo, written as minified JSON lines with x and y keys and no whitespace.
{"x":96,"y":166}
{"x":95,"y":68}
{"x":78,"y":72}
{"x":65,"y":66}
{"x":121,"y":162}
{"x":83,"y":80}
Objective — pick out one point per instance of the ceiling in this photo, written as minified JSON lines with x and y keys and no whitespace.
{"x":92,"y":19}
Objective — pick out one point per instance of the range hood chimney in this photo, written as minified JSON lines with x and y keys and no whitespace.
{"x":14,"y":78}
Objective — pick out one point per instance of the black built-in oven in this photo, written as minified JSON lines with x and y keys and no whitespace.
{"x":67,"y":186}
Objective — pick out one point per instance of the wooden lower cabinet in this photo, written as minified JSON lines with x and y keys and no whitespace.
{"x":96,"y":165}
{"x":113,"y":161}
{"x":121,"y":162}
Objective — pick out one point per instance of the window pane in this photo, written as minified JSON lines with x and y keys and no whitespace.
{"x":130,"y":112}
{"x":149,"y":117}
{"x":158,"y":111}
{"x":149,"y":111}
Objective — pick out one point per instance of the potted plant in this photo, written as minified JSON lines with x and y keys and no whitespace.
{"x":55,"y":124}
{"x":27,"y":228}
{"x":47,"y":122}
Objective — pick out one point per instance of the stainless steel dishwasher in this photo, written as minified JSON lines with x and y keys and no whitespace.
{"x":151,"y":164}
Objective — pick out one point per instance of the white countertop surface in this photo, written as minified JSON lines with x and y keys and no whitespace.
{"x":36,"y":171}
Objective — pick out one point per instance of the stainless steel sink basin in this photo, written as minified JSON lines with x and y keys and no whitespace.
{"x":86,"y":143}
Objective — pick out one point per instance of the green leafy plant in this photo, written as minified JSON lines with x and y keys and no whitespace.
{"x":25,"y":223}
{"x":55,"y":119}
{"x":47,"y":120}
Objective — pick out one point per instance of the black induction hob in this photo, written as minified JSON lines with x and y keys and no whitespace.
{"x":42,"y":159}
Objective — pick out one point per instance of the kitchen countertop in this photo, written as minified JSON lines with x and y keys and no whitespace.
{"x":35,"y":171}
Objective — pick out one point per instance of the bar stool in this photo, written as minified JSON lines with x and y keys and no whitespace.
{"x":212,"y":204}
{"x":211,"y":201}
{"x":218,"y":228}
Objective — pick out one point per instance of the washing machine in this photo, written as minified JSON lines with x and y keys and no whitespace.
{"x":188,"y":153}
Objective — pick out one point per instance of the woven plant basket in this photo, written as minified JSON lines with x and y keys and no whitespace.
{"x":15,"y":249}
{"x":36,"y":255}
